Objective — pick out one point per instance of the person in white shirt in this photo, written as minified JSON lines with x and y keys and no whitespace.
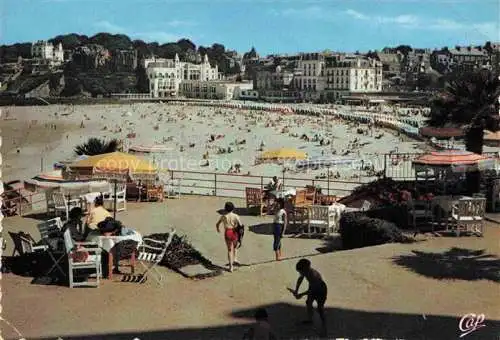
{"x":280,"y":223}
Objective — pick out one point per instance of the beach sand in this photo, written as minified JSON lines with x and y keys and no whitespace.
{"x":186,"y":130}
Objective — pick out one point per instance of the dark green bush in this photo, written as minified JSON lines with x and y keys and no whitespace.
{"x":358,"y":230}
{"x":397,"y":214}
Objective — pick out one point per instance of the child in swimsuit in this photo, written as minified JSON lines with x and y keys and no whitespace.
{"x":230,"y":221}
{"x":317,"y":291}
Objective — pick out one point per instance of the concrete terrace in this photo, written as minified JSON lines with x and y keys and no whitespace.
{"x":413,"y":291}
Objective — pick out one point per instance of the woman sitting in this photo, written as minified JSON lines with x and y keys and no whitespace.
{"x":96,"y":215}
{"x":74,"y":224}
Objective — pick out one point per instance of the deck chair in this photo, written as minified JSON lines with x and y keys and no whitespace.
{"x":150,"y":254}
{"x":255,"y":198}
{"x":24,"y":244}
{"x":92,"y":262}
{"x":47,"y":228}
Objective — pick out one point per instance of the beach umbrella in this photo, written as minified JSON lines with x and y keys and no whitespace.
{"x":113,"y":166}
{"x":282,"y":154}
{"x":449,"y":162}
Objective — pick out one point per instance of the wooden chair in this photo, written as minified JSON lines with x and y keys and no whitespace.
{"x":155,"y":193}
{"x":254,"y":198}
{"x":469,"y":212}
{"x":301,"y":198}
{"x":311,"y":194}
{"x":419,"y":210}
{"x":296,"y":215}
{"x":328,"y":199}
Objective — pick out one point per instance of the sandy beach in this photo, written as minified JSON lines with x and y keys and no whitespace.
{"x":186,"y":131}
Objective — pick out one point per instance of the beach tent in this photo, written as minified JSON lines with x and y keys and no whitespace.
{"x":54,"y":179}
{"x":281,"y":155}
{"x":156,"y":148}
{"x":492,"y":138}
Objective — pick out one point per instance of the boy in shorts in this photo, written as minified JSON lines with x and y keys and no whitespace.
{"x":317,"y":292}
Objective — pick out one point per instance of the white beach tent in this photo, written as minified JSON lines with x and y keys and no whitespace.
{"x":54,"y":179}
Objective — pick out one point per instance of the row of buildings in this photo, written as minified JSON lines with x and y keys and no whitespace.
{"x":318,"y":77}
{"x":312,"y":77}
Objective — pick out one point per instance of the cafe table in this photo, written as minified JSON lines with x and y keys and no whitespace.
{"x":107,"y":243}
{"x":283,"y":193}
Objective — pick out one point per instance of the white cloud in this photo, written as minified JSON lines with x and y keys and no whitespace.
{"x":177,"y":23}
{"x":158,"y":36}
{"x":356,"y":14}
{"x":109,"y":27}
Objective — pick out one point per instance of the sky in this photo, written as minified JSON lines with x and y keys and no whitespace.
{"x":272,"y":26}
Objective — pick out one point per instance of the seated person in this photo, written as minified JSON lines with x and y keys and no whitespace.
{"x":274,"y":185}
{"x":96,"y":215}
{"x":9,"y":208}
{"x":74,"y":224}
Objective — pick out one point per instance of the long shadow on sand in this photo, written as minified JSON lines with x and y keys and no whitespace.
{"x":342,"y":323}
{"x":456,"y":263}
{"x":242,"y":211}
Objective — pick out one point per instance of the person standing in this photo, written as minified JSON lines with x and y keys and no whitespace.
{"x":280,"y":223}
{"x":230,"y":221}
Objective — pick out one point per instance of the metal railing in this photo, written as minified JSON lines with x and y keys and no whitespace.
{"x":233,"y":185}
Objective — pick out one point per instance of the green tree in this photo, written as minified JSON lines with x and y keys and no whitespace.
{"x":95,"y":146}
{"x":470,"y":101}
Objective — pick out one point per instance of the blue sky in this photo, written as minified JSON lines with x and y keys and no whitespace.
{"x":272,"y":26}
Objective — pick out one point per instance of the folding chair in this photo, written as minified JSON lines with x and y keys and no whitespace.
{"x":152,"y":255}
{"x":24,"y":244}
{"x":47,"y":228}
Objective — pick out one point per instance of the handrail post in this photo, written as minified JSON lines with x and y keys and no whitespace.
{"x":215,"y":184}
{"x":261,"y":183}
{"x":20,"y":206}
{"x":385,"y":165}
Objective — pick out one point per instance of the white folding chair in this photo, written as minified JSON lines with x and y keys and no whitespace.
{"x":150,"y":255}
{"x":61,"y":204}
{"x":319,"y":218}
{"x":93,"y":261}
{"x":47,"y":228}
{"x":469,"y":212}
{"x":121,"y":201}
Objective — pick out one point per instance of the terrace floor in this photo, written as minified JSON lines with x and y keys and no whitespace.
{"x":418,"y":290}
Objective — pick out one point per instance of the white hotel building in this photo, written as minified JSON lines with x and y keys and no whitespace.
{"x":45,"y":51}
{"x":309,"y":75}
{"x":166,"y":75}
{"x":346,"y":75}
